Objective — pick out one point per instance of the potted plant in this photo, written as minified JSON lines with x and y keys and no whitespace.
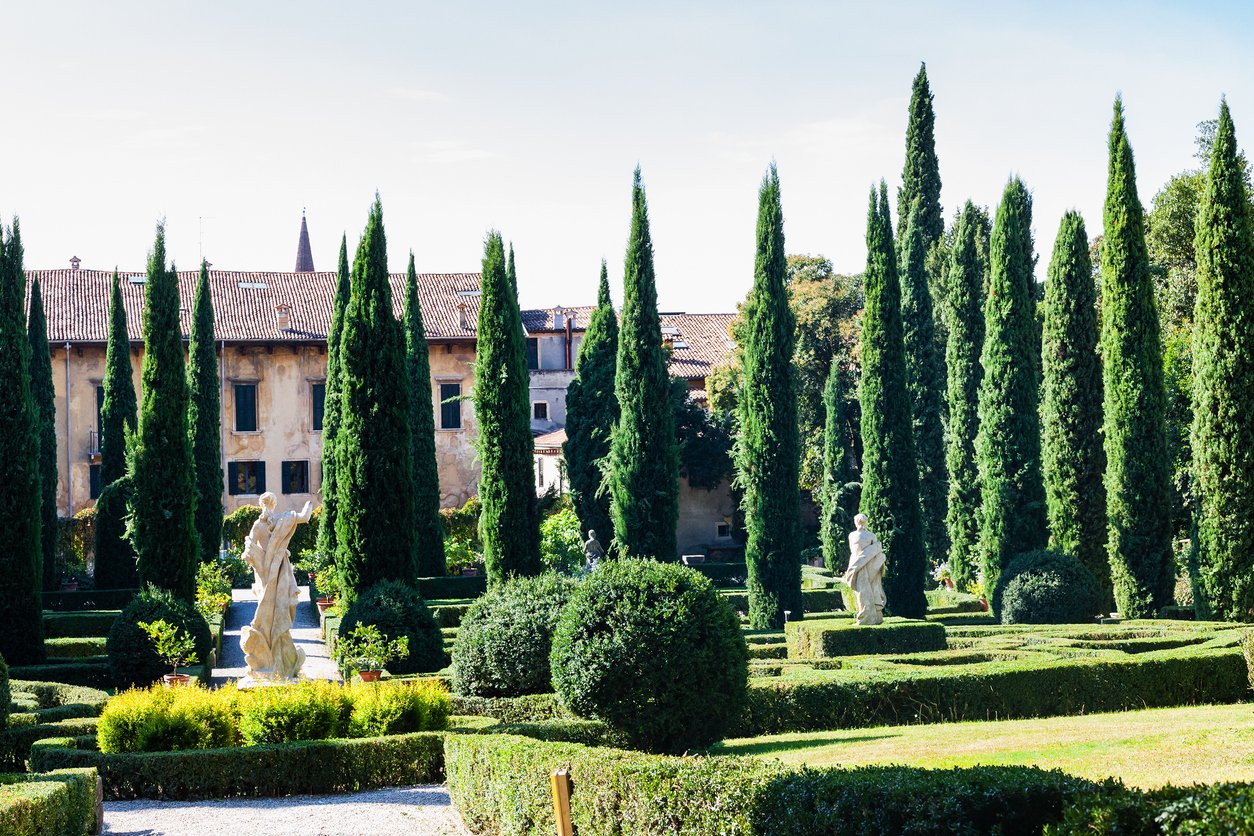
{"x":366,"y":651}
{"x":69,"y":584}
{"x":176,"y":648}
{"x":213,"y":589}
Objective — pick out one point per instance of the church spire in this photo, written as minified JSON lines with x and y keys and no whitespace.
{"x":304,"y":254}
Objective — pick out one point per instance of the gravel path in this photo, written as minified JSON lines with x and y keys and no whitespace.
{"x":414,"y":811}
{"x":306,"y":633}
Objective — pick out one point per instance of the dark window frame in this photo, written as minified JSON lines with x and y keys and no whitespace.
{"x":450,"y":405}
{"x":533,"y":353}
{"x":534,"y":415}
{"x":317,"y":402}
{"x":251,"y":401}
{"x":301,"y":466}
{"x":239,"y":470}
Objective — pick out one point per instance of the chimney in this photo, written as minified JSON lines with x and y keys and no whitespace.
{"x":74,"y":262}
{"x":283,"y":316}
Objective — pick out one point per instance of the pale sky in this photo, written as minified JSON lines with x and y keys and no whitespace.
{"x":227,"y":118}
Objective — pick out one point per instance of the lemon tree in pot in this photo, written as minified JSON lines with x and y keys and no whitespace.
{"x":366,"y":651}
{"x":175,"y":647}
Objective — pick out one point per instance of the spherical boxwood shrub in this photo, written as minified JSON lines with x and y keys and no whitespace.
{"x":503,"y":644}
{"x":653,"y":650}
{"x":1046,"y":587}
{"x":398,"y":610}
{"x":132,"y":659}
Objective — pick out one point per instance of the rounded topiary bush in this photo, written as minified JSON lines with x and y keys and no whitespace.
{"x":132,"y":659}
{"x":503,"y":644}
{"x":653,"y":650}
{"x":1046,"y":587}
{"x":398,"y":610}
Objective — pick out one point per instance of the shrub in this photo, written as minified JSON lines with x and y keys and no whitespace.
{"x":61,"y":803}
{"x":1214,"y":810}
{"x":237,"y":524}
{"x":561,"y":543}
{"x":213,"y":587}
{"x":463,"y":523}
{"x":166,"y":719}
{"x":654,"y":651}
{"x":366,"y":649}
{"x":398,"y":610}
{"x":132,"y":658}
{"x":398,"y":708}
{"x":826,"y":638}
{"x":313,"y":710}
{"x":1247,"y":649}
{"x":5,"y":695}
{"x":1046,"y":587}
{"x":530,"y":708}
{"x":502,"y":648}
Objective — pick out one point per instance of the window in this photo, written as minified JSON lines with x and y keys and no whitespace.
{"x":450,"y":406}
{"x":94,"y":480}
{"x":247,"y":478}
{"x":99,"y":408}
{"x":295,"y":477}
{"x":724,"y":531}
{"x":540,"y":411}
{"x":540,"y":473}
{"x":319,"y":393}
{"x":533,"y":353}
{"x":246,"y":407}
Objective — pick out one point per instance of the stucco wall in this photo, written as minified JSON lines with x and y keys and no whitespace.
{"x":700,"y":512}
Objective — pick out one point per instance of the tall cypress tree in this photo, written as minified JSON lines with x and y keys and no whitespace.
{"x":508,"y":520}
{"x":1008,"y":444}
{"x":373,"y":466}
{"x":964,"y":342}
{"x":890,"y":476}
{"x":838,"y":492}
{"x":925,"y":381}
{"x":591,"y":412}
{"x":44,"y":397}
{"x":920,"y":176}
{"x":428,"y":532}
{"x":1074,"y":462}
{"x":21,"y":628}
{"x":1138,"y":469}
{"x":644,"y":455}
{"x":1223,"y":432}
{"x":205,"y":419}
{"x":115,"y":559}
{"x":332,"y":406}
{"x":163,"y":493}
{"x":768,"y":451}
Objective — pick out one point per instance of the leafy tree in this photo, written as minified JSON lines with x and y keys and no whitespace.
{"x":508,"y":522}
{"x":1223,"y":432}
{"x":591,"y":412}
{"x":838,"y":493}
{"x":890,"y":476}
{"x":427,"y":531}
{"x":115,"y":559}
{"x":705,"y":438}
{"x":332,"y":406}
{"x":163,"y":495}
{"x":1138,"y":469}
{"x":373,"y":465}
{"x":1074,"y":462}
{"x":21,"y":629}
{"x":644,"y":459}
{"x":1008,"y":443}
{"x":767,"y":452}
{"x":44,"y":398}
{"x":205,"y":417}
{"x":964,"y":342}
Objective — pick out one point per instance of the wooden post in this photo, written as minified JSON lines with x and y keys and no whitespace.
{"x":560,"y":779}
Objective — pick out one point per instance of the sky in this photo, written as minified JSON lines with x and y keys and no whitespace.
{"x":229,"y":119}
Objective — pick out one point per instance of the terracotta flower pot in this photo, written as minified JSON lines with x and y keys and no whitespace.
{"x":984,"y":604}
{"x":470,"y":571}
{"x":324,"y":604}
{"x":370,"y":676}
{"x":69,"y":586}
{"x":173,"y":680}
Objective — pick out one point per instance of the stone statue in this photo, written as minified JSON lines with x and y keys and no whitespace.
{"x":865,"y":574}
{"x":592,"y":551}
{"x":267,"y":642}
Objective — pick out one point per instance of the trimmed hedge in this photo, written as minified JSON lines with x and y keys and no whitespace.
{"x":16,"y":741}
{"x":89,"y":599}
{"x":61,"y":803}
{"x":79,"y":624}
{"x":74,"y":647}
{"x":397,"y":609}
{"x":310,"y":767}
{"x":90,"y":672}
{"x":132,"y":659}
{"x":453,"y":586}
{"x":529,"y":709}
{"x":813,"y":600}
{"x":828,"y":638}
{"x":1215,"y":810}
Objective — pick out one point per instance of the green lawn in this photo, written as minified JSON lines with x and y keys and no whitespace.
{"x":1197,"y":744}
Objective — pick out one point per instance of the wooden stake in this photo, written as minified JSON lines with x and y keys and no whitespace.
{"x":560,"y":779}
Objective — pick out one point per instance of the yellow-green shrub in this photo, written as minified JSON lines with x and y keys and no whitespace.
{"x":381,"y":708}
{"x":312,"y":710}
{"x":166,"y":719}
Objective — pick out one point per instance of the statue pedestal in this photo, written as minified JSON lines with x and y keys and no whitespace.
{"x":261,"y":680}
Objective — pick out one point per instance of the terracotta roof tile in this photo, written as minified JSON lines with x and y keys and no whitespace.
{"x":545,"y":319}
{"x":699,"y":342}
{"x":550,"y":441}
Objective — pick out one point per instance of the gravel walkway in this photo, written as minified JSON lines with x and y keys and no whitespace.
{"x":413,"y":811}
{"x":306,"y":633}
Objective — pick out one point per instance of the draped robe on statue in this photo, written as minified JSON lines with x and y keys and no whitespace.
{"x":268,"y":647}
{"x":865,"y":575}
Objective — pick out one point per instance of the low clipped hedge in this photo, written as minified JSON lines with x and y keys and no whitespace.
{"x":812,"y":600}
{"x":75,"y":647}
{"x":90,"y":672}
{"x":61,"y":803}
{"x":454,"y":586}
{"x":835,"y":637}
{"x":527,"y":709}
{"x":1214,"y":810}
{"x":16,"y":741}
{"x":75,"y":624}
{"x":309,"y":767}
{"x":88,"y":599}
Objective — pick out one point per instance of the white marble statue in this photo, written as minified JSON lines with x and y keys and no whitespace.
{"x":865,"y":574}
{"x":268,"y":647}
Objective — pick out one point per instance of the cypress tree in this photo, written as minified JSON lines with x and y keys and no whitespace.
{"x":21,"y":629}
{"x":1138,"y":469}
{"x":508,"y":520}
{"x":768,"y":450}
{"x":964,"y":342}
{"x":838,"y":492}
{"x":1008,"y":444}
{"x":373,"y":465}
{"x":163,"y":494}
{"x":591,"y":412}
{"x":428,"y":532}
{"x":925,"y":381}
{"x":44,"y":397}
{"x":644,"y":455}
{"x":890,"y":475}
{"x":332,"y":405}
{"x":205,"y":418}
{"x":920,"y":176}
{"x":115,"y":559}
{"x":1223,"y":432}
{"x":1074,"y":462}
